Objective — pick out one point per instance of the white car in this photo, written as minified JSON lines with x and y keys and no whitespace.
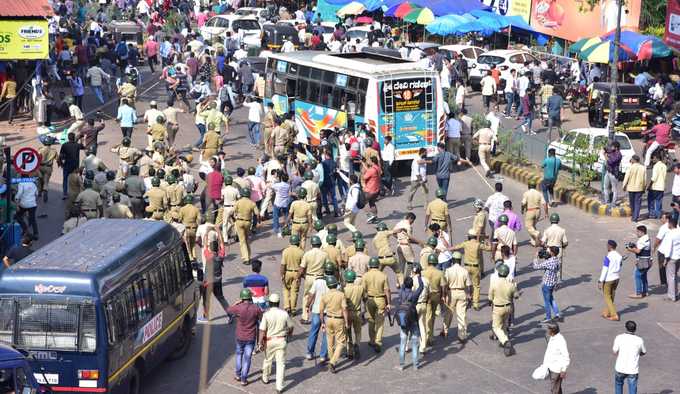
{"x":470,"y":54}
{"x":358,"y":32}
{"x":596,"y":138}
{"x":218,"y":26}
{"x":261,"y":14}
{"x":505,"y":60}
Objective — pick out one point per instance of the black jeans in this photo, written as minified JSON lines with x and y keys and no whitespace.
{"x":127,"y":132}
{"x":21,"y":213}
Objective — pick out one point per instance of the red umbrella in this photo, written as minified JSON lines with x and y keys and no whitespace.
{"x":364,"y":19}
{"x":404,"y":9}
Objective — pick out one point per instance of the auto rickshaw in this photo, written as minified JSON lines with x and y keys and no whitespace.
{"x":129,"y":32}
{"x":273,"y":36}
{"x":633,"y":110}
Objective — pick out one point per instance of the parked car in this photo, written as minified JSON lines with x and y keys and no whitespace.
{"x":218,"y":26}
{"x":16,"y":375}
{"x":470,"y":54}
{"x":595,"y":138}
{"x":505,"y":60}
{"x":256,"y":12}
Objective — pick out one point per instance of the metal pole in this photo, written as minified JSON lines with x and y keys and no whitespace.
{"x":611,"y":125}
{"x":8,"y":183}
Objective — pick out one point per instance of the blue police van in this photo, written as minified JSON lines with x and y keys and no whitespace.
{"x":101,"y":306}
{"x":15,"y":373}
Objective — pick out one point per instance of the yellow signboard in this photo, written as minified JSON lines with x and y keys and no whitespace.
{"x":24,"y":39}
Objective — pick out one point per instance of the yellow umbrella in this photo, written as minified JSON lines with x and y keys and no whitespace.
{"x":421,"y":16}
{"x":590,"y":43}
{"x":353,"y":8}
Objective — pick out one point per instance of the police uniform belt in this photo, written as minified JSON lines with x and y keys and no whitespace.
{"x":438,"y":220}
{"x":501,"y":306}
{"x":386,"y":257}
{"x":334,"y":317}
{"x":228,"y":206}
{"x":533,"y":209}
{"x":378,"y":296}
{"x":291,"y":270}
{"x":458,"y":288}
{"x":299,"y":222}
{"x":471,"y":265}
{"x":243,"y":219}
{"x":275,"y":337}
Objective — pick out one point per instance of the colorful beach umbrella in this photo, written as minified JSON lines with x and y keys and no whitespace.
{"x":604,"y":53}
{"x":421,"y":16}
{"x":584,"y":43}
{"x":401,"y":10}
{"x":654,"y":47}
{"x":353,"y":8}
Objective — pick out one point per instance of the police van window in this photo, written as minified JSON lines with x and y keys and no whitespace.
{"x":7,"y":317}
{"x":170,"y":277}
{"x":271,"y":64}
{"x":337,"y":97}
{"x":87,"y":341}
{"x":293,"y":70}
{"x":130,"y":309}
{"x":279,"y":85}
{"x":158,"y":286}
{"x":176,"y":261}
{"x":353,"y":83}
{"x":363,"y":85}
{"x":6,"y":381}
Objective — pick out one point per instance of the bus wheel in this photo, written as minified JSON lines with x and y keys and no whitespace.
{"x":183,"y":343}
{"x":135,"y":381}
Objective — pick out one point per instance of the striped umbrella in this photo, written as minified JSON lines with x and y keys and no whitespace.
{"x":583,"y":44}
{"x":421,"y":16}
{"x":353,"y":8}
{"x":604,"y":53}
{"x":653,"y":48}
{"x":400,"y":10}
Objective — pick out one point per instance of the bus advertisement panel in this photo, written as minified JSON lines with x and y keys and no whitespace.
{"x":312,"y":118}
{"x":406,"y":110}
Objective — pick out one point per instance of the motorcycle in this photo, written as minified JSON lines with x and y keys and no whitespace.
{"x":666,"y":152}
{"x":577,"y":96}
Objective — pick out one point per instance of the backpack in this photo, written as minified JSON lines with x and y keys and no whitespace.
{"x":361,"y":198}
{"x":406,"y":315}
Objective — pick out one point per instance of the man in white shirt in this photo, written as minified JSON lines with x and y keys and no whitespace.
{"x":418,"y":177}
{"x":494,"y":204}
{"x":287,"y":46}
{"x":151,"y":118}
{"x":670,"y":248}
{"x":609,"y":280}
{"x":556,"y":358}
{"x":27,"y":203}
{"x":351,"y":209}
{"x":660,"y":235}
{"x":523,"y":85}
{"x":388,"y":155}
{"x":675,"y":189}
{"x":403,"y":51}
{"x":254,"y":119}
{"x":488,"y":90}
{"x":510,"y":91}
{"x":453,"y":129}
{"x":628,"y":348}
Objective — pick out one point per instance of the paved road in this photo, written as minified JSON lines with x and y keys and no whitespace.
{"x":479,"y":367}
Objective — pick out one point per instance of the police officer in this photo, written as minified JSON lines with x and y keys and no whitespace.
{"x":503,"y":236}
{"x":354,"y":294}
{"x":291,"y":257}
{"x":318,"y":227}
{"x":555,"y":235}
{"x":175,"y":193}
{"x":381,"y":243}
{"x":134,"y":188}
{"x":359,"y":262}
{"x":459,"y":285}
{"x":473,"y":261}
{"x":230,"y":194}
{"x":117,"y":210}
{"x":403,"y":230}
{"x":268,"y":126}
{"x":437,"y":211}
{"x":334,"y":320}
{"x":47,"y":155}
{"x":351,"y":249}
{"x":89,"y":201}
{"x":312,"y":194}
{"x":532,"y":202}
{"x":429,"y":249}
{"x":501,"y":295}
{"x":127,"y":157}
{"x":300,"y":216}
{"x":275,"y":330}
{"x":190,"y":215}
{"x":377,"y":290}
{"x":212,"y":143}
{"x":311,"y":267}
{"x":480,"y":219}
{"x":157,"y":131}
{"x":157,"y":200}
{"x":244,"y":209}
{"x":421,"y":305}
{"x":75,"y":186}
{"x":333,"y":251}
{"x":437,"y":288}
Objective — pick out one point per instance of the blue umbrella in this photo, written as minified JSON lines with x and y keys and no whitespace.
{"x":446,"y":25}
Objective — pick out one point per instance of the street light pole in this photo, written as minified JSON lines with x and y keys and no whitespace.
{"x":611,"y":124}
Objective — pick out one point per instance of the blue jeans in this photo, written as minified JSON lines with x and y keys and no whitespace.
{"x":254,"y":132}
{"x":244,"y":352}
{"x":403,"y":335}
{"x":619,"y":378}
{"x":276,"y":212}
{"x":444,"y":266}
{"x":314,"y":334}
{"x":654,"y":202}
{"x":443,"y":183}
{"x":98,"y":92}
{"x":201,"y":131}
{"x":635,"y":204}
{"x":641,"y":286}
{"x":327,"y":191}
{"x":509,"y":98}
{"x":64,"y":183}
{"x":549,"y":302}
{"x":528,"y":118}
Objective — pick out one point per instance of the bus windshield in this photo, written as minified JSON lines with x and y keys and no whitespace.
{"x":30,"y":323}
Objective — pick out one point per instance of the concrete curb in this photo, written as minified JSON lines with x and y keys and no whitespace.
{"x":571,"y":197}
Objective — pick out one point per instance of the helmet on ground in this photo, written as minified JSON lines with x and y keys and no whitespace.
{"x":350,"y":276}
{"x":245,"y":294}
{"x":373,"y":262}
{"x":316,"y":241}
{"x":554,"y":218}
{"x":331,"y":239}
{"x":478,"y":203}
{"x":440,"y":193}
{"x":318,"y":225}
{"x":503,"y":270}
{"x":432,"y":259}
{"x":329,"y":268}
{"x":308,"y":175}
{"x":155,"y":182}
{"x":295,"y":239}
{"x":301,"y":192}
{"x":331,"y":281}
{"x":357,"y":235}
{"x":245,"y":193}
{"x":228,"y":180}
{"x":381,"y":226}
{"x":503,"y":219}
{"x":360,"y":244}
{"x":432,"y":241}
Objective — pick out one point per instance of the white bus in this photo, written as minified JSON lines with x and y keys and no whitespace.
{"x":391,"y":96}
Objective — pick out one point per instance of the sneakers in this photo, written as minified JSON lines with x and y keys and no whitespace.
{"x":547,"y":320}
{"x":308,"y":356}
{"x":201,"y":320}
{"x":279,"y":235}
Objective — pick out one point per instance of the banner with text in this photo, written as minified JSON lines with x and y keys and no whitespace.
{"x":23,"y":39}
{"x":672,"y":35}
{"x":574,"y":19}
{"x":511,"y":7}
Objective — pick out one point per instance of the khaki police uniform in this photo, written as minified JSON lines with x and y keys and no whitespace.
{"x":438,"y":211}
{"x":90,"y":203}
{"x":134,"y":188}
{"x":505,"y":237}
{"x":268,"y":126}
{"x":381,"y":243}
{"x":335,"y":257}
{"x":244,"y":209}
{"x":405,"y":255}
{"x":175,"y":193}
{"x":189,"y":215}
{"x":158,"y":133}
{"x":276,"y":324}
{"x":501,"y":294}
{"x":333,"y":304}
{"x":157,"y":203}
{"x":230,"y":195}
{"x":280,"y":139}
{"x":127,"y":156}
{"x":421,"y":309}
{"x":75,"y":186}
{"x":458,"y":280}
{"x":354,"y":294}
{"x":425,"y":252}
{"x":555,"y":235}
{"x":301,"y":212}
{"x":479,"y":223}
{"x":211,"y":144}
{"x":376,"y":286}
{"x":118,"y":211}
{"x":472,"y":260}
{"x":47,"y":155}
{"x":241,"y":183}
{"x":312,"y":262}
{"x":359,"y":264}
{"x":106,"y":192}
{"x":290,"y":262}
{"x":532,"y":201}
{"x":436,"y":280}
{"x":312,"y":195}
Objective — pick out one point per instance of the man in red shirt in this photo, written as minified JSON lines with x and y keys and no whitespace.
{"x":151,"y":51}
{"x":213,"y":188}
{"x":662,"y":132}
{"x":247,"y":316}
{"x":372,"y":173}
